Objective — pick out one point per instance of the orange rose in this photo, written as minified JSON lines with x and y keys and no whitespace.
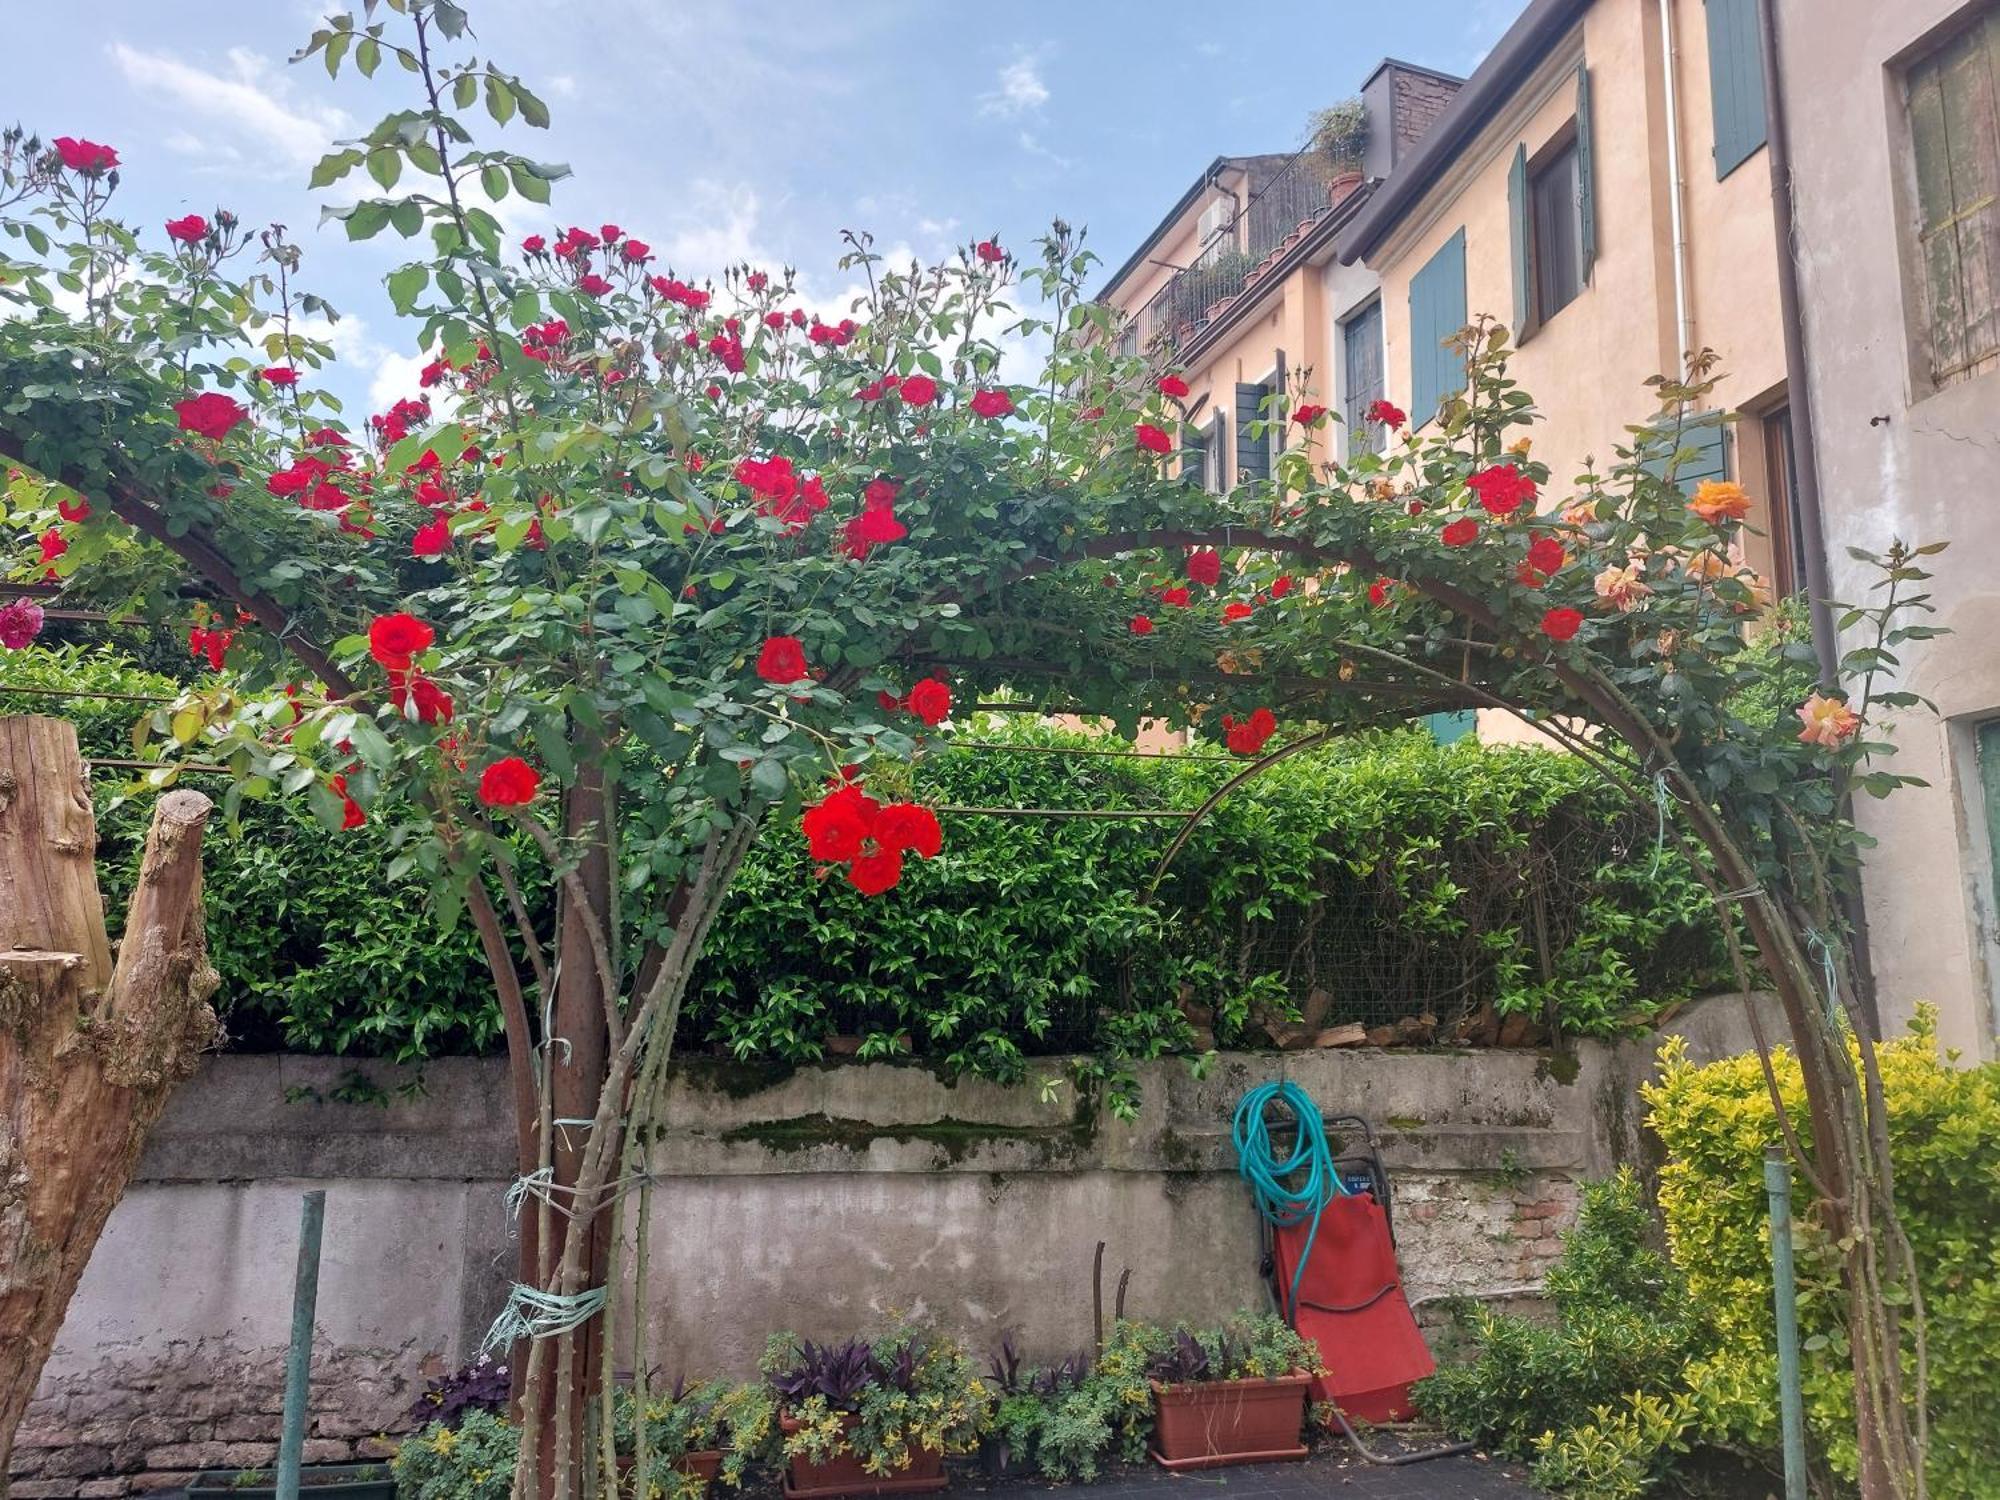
{"x":1719,"y":500}
{"x":1828,"y":722}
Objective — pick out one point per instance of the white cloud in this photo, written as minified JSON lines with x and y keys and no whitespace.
{"x":1019,"y":90}
{"x":1031,"y":144}
{"x":243,"y":111}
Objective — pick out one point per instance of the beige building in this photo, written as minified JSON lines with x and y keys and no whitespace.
{"x":1600,"y":185}
{"x":1891,"y":118}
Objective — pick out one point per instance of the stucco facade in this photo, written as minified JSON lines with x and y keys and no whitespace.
{"x":1900,"y":458}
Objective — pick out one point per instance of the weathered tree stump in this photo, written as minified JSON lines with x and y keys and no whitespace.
{"x":89,"y":1051}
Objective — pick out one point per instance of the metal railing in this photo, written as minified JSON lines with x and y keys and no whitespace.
{"x":1289,"y":203}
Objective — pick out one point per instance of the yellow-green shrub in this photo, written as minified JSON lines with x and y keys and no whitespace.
{"x":1944,"y":1123}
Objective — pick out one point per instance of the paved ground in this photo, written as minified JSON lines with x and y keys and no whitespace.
{"x":1331,"y":1473}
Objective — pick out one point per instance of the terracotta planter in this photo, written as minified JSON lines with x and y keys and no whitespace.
{"x":1208,"y":1424}
{"x":1341,"y":185}
{"x":844,"y":1475}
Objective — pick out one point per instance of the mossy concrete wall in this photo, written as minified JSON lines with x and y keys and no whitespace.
{"x":821,"y":1200}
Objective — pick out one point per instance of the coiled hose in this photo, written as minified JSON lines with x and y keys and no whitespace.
{"x":1258,"y":1164}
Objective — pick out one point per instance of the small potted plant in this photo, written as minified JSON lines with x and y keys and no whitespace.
{"x":1339,"y":139}
{"x":692,"y":1435}
{"x":1231,"y":1395}
{"x":861,"y":1418}
{"x":471,"y":1460}
{"x":1053,"y":1420}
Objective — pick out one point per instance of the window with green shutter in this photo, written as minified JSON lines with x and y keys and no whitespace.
{"x":1253,"y":446}
{"x":1735,"y":81}
{"x":1437,"y":311}
{"x":1953,"y":97}
{"x":1453,"y":725}
{"x":1703,"y":452}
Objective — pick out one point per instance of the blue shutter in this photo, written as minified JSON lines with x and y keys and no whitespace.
{"x":1253,"y":452}
{"x":1586,"y":187}
{"x":1281,"y":412}
{"x":1437,"y":311}
{"x":1455,"y":725}
{"x":1735,"y":81}
{"x":1194,"y":452}
{"x":1704,"y":451}
{"x":1517,"y":237}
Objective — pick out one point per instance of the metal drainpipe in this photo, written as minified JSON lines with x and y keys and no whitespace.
{"x":1805,"y":451}
{"x":1676,"y":219}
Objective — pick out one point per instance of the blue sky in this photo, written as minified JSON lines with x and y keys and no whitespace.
{"x":720,"y":130}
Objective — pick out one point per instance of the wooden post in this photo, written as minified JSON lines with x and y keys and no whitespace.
{"x":89,"y":1051}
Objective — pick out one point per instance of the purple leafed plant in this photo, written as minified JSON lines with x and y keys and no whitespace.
{"x":837,"y":1372}
{"x":479,"y":1386}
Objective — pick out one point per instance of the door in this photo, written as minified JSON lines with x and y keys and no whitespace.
{"x":1361,"y":355}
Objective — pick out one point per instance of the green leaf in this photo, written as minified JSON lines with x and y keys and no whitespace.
{"x":408,"y":217}
{"x":500,"y":100}
{"x":334,"y":166}
{"x":371,"y":744}
{"x":494,"y":181}
{"x":368,"y":57}
{"x":406,"y":283}
{"x":365,"y":220}
{"x":533,"y":111}
{"x":769,"y":779}
{"x":385,"y":165}
{"x":465,"y":91}
{"x":528,"y":184}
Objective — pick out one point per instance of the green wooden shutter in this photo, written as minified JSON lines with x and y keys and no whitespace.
{"x":1217,"y":445}
{"x":1253,"y":453}
{"x":1454,"y":725}
{"x":1586,"y":189}
{"x":1194,"y":452}
{"x":1281,"y":416}
{"x":1437,"y":311}
{"x":1735,"y":81}
{"x":1704,"y":447}
{"x":1517,"y":236}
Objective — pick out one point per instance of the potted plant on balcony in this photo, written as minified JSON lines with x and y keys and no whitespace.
{"x":862,"y":1418}
{"x":1339,"y":138}
{"x":1230,"y":1395}
{"x":693,"y":1434}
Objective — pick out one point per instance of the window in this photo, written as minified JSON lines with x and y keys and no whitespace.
{"x":1437,"y":313}
{"x":1361,"y":386}
{"x":1451,"y":725}
{"x":1735,"y":81}
{"x":1953,"y":97}
{"x":1703,"y":452}
{"x":1552,"y":218}
{"x":1253,"y":444}
{"x":1787,"y":537}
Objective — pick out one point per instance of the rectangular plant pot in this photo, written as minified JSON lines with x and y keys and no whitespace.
{"x":844,"y":1475}
{"x":703,"y":1463}
{"x":1207,"y":1424}
{"x":322,"y":1481}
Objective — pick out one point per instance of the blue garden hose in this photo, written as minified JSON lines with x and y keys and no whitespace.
{"x":1258,"y":1164}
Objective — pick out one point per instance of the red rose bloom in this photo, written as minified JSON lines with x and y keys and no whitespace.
{"x":991,"y":404}
{"x":872,"y":874}
{"x":1562,"y":624}
{"x":1460,"y":533}
{"x":1307,"y":415}
{"x":636,"y":251}
{"x":1152,"y":439}
{"x":393,"y":640}
{"x":1173,"y":385}
{"x":592,"y":285}
{"x":534,"y":244}
{"x":1205,"y":566}
{"x":1142,"y":624}
{"x":53,"y":545}
{"x":1236,"y":611}
{"x":989,"y":251}
{"x":839,"y":824}
{"x":188,"y":231}
{"x":509,"y":783}
{"x":909,"y":826}
{"x":918,"y":390}
{"x":74,"y":511}
{"x":209,"y":415}
{"x":1281,"y":585}
{"x":1502,"y":489}
{"x":352,"y":815}
{"x":930,"y":700}
{"x":782,"y":661}
{"x":87,"y":157}
{"x":419,"y":697}
{"x":1385,"y":412}
{"x":279,"y":375}
{"x":433,"y":539}
{"x":1249,"y":736}
{"x":1546,"y":555}
{"x":1177,"y":597}
{"x":1381,"y":591}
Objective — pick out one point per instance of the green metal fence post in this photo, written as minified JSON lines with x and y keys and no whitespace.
{"x":1791,"y":1397}
{"x":298,"y":1362}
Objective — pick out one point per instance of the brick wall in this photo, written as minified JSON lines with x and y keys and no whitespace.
{"x":1418,"y":100}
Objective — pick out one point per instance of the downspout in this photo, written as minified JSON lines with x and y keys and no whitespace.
{"x":1676,"y":218}
{"x":1805,"y":447}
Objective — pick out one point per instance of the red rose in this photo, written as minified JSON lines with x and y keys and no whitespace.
{"x":1142,"y":625}
{"x":1460,"y":533}
{"x":393,"y":640}
{"x":839,"y":824}
{"x":1173,"y":385}
{"x":1236,"y":611}
{"x":1281,"y":585}
{"x":991,"y":404}
{"x":534,"y":244}
{"x":881,"y":492}
{"x":782,"y":661}
{"x":1307,"y":415}
{"x":1385,"y":412}
{"x":990,"y":252}
{"x":609,"y":233}
{"x":74,"y":511}
{"x":919,"y":390}
{"x":53,"y":545}
{"x":279,"y":375}
{"x":1249,"y":736}
{"x":87,"y":157}
{"x":509,"y":783}
{"x":930,"y":700}
{"x":1546,"y":555}
{"x":872,"y":874}
{"x":419,"y":697}
{"x":1562,"y":624}
{"x":209,"y":415}
{"x":636,"y":251}
{"x":1381,"y":591}
{"x":592,"y":285}
{"x":352,"y":815}
{"x":909,"y":826}
{"x":1177,"y":597}
{"x":188,"y":231}
{"x":757,"y":281}
{"x":1502,"y":489}
{"x":1205,"y":566}
{"x":876,"y":525}
{"x":433,"y":539}
{"x":1151,"y":439}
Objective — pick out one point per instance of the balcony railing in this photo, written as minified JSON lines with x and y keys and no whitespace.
{"x":1274,"y":219}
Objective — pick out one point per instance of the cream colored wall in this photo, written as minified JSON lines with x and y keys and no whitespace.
{"x":1586,"y":366}
{"x":1900,"y":460}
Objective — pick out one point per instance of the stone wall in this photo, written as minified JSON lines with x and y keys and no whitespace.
{"x":819,"y":1201}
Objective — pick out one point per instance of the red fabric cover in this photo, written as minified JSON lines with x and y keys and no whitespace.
{"x":1351,"y":1304}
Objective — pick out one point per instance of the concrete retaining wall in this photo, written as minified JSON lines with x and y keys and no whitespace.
{"x":820,"y":1202}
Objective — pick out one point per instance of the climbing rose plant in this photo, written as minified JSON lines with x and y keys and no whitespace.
{"x":649,"y":558}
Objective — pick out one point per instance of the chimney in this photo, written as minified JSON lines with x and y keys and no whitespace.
{"x":1403,"y":102}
